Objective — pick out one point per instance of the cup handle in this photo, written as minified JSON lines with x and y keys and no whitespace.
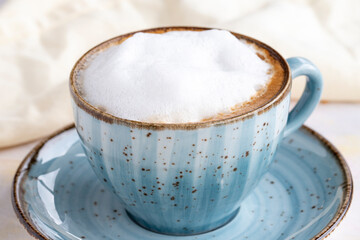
{"x":311,"y":95}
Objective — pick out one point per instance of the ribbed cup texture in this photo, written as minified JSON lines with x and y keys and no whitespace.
{"x":182,"y":182}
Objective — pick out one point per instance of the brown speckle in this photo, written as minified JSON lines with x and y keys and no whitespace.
{"x":172,"y":198}
{"x":148,"y":134}
{"x":247,"y":153}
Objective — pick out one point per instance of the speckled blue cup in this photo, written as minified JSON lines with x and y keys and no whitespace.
{"x":190,"y":178}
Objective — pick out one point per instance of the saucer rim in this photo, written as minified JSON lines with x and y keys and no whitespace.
{"x":30,"y":158}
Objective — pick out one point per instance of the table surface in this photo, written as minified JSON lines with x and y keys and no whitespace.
{"x":339,"y":123}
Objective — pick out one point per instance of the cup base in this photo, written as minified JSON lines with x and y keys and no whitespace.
{"x":184,"y":231}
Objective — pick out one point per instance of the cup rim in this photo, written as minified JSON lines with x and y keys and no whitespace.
{"x":109,"y":118}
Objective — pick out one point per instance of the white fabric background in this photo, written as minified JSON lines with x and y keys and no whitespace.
{"x":41,"y":40}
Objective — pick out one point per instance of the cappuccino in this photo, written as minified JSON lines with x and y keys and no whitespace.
{"x":179,"y":77}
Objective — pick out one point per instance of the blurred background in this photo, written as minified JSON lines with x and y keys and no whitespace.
{"x":41,"y":40}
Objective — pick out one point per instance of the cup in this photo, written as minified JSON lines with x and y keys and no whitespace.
{"x":190,"y":178}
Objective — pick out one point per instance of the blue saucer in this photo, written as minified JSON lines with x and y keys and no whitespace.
{"x":305,"y":195}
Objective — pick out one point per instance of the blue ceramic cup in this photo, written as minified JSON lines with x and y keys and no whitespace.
{"x":189,"y":178}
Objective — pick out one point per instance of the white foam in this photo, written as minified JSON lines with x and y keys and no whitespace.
{"x":174,"y":77}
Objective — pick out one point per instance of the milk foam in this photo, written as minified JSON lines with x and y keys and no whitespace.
{"x":174,"y":77}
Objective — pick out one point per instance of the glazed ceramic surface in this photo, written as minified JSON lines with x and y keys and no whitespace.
{"x":186,"y":181}
{"x":304,"y":195}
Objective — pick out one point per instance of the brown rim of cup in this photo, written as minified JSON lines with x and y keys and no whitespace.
{"x":106,"y":117}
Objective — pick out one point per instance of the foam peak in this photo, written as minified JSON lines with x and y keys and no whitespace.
{"x":174,"y":77}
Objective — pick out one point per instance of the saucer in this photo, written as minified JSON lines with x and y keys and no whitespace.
{"x":305,"y":195}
